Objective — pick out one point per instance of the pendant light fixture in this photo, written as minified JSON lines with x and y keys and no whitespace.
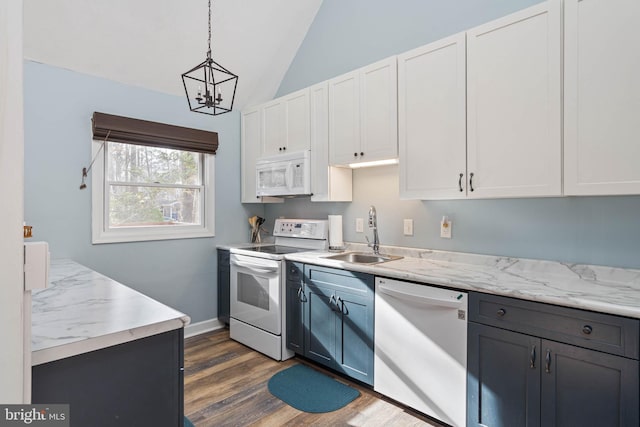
{"x":210,"y":88}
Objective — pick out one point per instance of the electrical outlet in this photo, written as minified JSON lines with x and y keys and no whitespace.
{"x":445,"y":227}
{"x":408,"y":227}
{"x":359,"y":225}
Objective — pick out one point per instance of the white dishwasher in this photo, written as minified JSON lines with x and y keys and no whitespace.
{"x":421,"y":348}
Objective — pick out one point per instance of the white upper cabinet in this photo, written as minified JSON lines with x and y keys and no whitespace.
{"x":431,"y":120}
{"x":514,"y":146}
{"x":602,"y":97}
{"x":328,"y":183}
{"x":273,"y":122}
{"x":251,"y":130}
{"x":379,"y":111}
{"x":251,"y":141}
{"x":363,"y":114}
{"x":344,"y":119}
{"x":286,"y":122}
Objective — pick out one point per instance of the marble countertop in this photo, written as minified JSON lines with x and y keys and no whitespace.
{"x":83,"y":311}
{"x":597,"y":288}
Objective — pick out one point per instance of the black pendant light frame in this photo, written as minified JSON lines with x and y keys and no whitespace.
{"x":213,"y":77}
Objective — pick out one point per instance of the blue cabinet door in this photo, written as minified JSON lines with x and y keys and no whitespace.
{"x":295,"y":298}
{"x":224,"y":286}
{"x":582,"y":387}
{"x":294,"y":322}
{"x":354,"y":347}
{"x":503,"y":378}
{"x":339,"y":320}
{"x":320,"y":325}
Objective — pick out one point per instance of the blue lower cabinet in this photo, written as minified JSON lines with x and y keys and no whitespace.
{"x":320,"y":323}
{"x":354,"y":343}
{"x":503,"y":385}
{"x":515,"y":379}
{"x":582,"y":387}
{"x":338,"y":320}
{"x":137,"y":383}
{"x":224,"y":286}
{"x":295,"y":298}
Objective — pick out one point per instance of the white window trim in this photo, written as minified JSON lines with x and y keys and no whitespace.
{"x":101,"y":235}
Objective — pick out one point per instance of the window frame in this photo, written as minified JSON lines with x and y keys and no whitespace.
{"x":100,"y":233}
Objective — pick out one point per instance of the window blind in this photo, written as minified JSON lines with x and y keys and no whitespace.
{"x":143,"y":132}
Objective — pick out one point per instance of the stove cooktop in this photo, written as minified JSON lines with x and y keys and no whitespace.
{"x":275,"y":249}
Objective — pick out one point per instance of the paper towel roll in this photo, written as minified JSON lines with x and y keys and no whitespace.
{"x":335,"y":232}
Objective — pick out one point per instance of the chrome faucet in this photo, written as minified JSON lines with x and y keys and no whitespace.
{"x":373,"y":223}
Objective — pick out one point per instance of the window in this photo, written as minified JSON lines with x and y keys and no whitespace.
{"x":143,"y":192}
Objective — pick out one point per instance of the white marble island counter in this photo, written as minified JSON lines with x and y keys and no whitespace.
{"x":83,"y":311}
{"x":597,"y":288}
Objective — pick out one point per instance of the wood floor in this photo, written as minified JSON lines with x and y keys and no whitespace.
{"x":226,"y":385}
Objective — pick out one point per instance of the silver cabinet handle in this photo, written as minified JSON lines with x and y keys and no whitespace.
{"x":301,"y":296}
{"x":547,"y":366}
{"x":533,"y":357}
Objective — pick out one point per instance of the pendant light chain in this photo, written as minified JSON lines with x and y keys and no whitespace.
{"x":209,"y":51}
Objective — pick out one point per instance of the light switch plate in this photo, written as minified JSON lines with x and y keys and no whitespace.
{"x":408,"y":227}
{"x":445,"y":228}
{"x":359,"y":225}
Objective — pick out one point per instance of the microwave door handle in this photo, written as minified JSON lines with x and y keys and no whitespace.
{"x":252,"y":267}
{"x":289,"y":176}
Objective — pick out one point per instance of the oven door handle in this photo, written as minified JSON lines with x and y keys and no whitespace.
{"x":254,"y":268}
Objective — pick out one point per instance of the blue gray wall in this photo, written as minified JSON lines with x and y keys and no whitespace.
{"x":348,"y":34}
{"x":58,"y":108}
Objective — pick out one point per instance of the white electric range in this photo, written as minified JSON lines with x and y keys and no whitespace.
{"x":258,"y":317}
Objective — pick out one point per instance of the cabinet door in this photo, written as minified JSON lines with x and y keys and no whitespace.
{"x":250,"y":151}
{"x":320,"y":325}
{"x":601,"y":97}
{"x":513,"y":82}
{"x":354,"y":347}
{"x":224,"y":286}
{"x":328,"y":183}
{"x":583,"y":387}
{"x":503,"y":379}
{"x":344,"y":119}
{"x":431,"y":120}
{"x":295,"y":298}
{"x":273,"y":127}
{"x":379,"y":111}
{"x":297,"y":121}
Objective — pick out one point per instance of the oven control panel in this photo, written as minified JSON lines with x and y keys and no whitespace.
{"x":301,"y":228}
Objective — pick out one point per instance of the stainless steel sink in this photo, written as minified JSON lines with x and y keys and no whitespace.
{"x":363,"y":257}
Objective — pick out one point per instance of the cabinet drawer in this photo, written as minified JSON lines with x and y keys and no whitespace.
{"x":340,"y":280}
{"x":294,"y":271}
{"x":603,"y":332}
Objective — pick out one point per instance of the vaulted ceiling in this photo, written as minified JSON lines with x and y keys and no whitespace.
{"x":150,"y":43}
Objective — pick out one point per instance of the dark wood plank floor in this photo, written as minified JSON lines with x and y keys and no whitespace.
{"x":226,"y":385}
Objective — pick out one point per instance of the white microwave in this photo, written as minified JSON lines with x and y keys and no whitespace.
{"x":284,"y":174}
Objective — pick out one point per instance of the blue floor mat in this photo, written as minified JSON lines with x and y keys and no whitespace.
{"x":309,"y":390}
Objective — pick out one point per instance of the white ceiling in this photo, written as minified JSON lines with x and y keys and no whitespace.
{"x":150,"y":43}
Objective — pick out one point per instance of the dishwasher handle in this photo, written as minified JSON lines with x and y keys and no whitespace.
{"x":421,"y":299}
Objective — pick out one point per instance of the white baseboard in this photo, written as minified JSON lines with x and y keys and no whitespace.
{"x":194,"y":329}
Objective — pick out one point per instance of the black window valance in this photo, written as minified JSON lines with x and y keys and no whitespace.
{"x":143,"y":132}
